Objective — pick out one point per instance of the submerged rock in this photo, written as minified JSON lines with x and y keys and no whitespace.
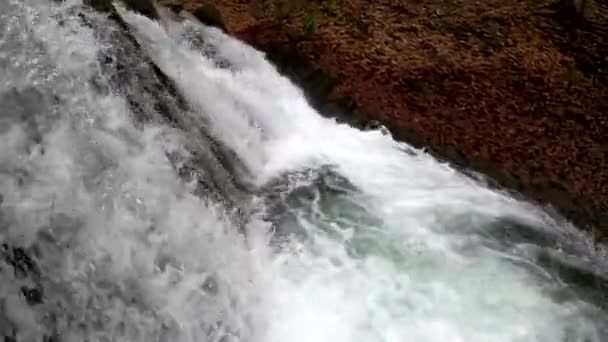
{"x":143,"y":7}
{"x":100,"y":5}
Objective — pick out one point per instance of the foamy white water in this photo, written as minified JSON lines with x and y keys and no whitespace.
{"x":348,"y":235}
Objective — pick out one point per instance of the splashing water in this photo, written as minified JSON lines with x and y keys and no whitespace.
{"x":169,"y":185}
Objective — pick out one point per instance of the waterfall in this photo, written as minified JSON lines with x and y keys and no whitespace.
{"x":161,"y":181}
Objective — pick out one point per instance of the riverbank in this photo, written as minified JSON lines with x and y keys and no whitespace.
{"x":499,"y":87}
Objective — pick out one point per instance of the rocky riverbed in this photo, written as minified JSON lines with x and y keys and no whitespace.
{"x":507,"y":88}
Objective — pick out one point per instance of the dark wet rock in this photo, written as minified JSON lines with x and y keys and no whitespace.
{"x":144,"y":7}
{"x":33,"y":295}
{"x":100,"y":5}
{"x":209,"y":15}
{"x":176,"y":8}
{"x":373,"y":124}
{"x":22,"y":263}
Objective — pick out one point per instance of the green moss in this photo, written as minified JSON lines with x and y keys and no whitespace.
{"x":311,"y":25}
{"x":572,"y":72}
{"x":331,"y":6}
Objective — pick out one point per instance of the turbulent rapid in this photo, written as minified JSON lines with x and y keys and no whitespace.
{"x":161,"y":181}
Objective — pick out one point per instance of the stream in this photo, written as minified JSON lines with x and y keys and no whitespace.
{"x":161,"y":181}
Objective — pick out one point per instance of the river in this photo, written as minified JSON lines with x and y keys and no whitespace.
{"x":161,"y":181}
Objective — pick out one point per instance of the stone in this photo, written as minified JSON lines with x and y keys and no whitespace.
{"x":209,"y":15}
{"x":143,"y":7}
{"x":100,"y":5}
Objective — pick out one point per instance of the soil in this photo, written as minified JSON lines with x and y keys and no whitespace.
{"x":515,"y":89}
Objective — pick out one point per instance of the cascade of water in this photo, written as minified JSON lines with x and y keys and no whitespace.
{"x":167,"y":184}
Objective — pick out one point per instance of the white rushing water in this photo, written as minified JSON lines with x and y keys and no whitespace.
{"x":349,"y":235}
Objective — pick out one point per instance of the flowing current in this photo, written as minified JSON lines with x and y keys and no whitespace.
{"x":161,"y":181}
